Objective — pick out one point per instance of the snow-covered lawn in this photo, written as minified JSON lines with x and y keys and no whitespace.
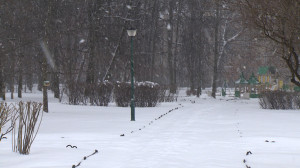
{"x":201,"y":133}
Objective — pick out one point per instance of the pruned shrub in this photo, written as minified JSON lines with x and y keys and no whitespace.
{"x":165,"y":95}
{"x":30,"y":118}
{"x":101,"y":94}
{"x":147,"y":94}
{"x":76,"y":93}
{"x":279,"y":100}
{"x":122,"y":94}
{"x":98,"y":94}
{"x":171,"y":97}
{"x":190,"y":92}
{"x":162,"y":93}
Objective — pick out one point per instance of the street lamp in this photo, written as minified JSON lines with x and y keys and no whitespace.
{"x":131,"y":33}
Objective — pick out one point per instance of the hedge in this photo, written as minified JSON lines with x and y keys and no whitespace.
{"x":147,"y":94}
{"x":279,"y":100}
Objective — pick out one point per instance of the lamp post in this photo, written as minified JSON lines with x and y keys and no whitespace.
{"x":131,"y":33}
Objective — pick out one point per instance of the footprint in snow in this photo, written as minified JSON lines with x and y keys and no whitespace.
{"x":249,"y":153}
{"x":71,"y":146}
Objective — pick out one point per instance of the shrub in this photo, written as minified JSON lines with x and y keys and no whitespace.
{"x":147,"y":94}
{"x":162,"y":93}
{"x":76,"y":93}
{"x":165,"y":95}
{"x":101,"y":94}
{"x":7,"y":113}
{"x":30,"y":114}
{"x":190,"y":92}
{"x":122,"y":94}
{"x":97,"y":94}
{"x":279,"y":100}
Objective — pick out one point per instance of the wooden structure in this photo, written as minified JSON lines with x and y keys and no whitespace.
{"x":241,"y":86}
{"x":253,"y":85}
{"x":268,"y":78}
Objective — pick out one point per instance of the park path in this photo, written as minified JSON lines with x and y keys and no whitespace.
{"x":196,"y":135}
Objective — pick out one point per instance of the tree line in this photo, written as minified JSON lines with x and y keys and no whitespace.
{"x":194,"y":43}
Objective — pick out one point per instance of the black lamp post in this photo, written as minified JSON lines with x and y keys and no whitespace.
{"x":131,"y":33}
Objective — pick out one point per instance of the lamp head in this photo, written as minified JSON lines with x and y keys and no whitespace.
{"x":131,"y":32}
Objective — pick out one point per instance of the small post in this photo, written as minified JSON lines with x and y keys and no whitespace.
{"x":45,"y":96}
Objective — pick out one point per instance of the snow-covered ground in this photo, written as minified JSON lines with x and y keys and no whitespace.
{"x":190,"y":133}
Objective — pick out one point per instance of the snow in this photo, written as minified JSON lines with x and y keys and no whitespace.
{"x":81,"y":41}
{"x":161,"y":16}
{"x":193,"y":132}
{"x":48,"y":55}
{"x":169,"y":26}
{"x":128,"y":7}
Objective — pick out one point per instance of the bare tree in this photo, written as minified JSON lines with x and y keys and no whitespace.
{"x":278,"y":21}
{"x":224,"y":35}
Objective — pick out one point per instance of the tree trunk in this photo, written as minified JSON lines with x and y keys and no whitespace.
{"x":216,"y":52}
{"x":45,"y":94}
{"x":55,"y":84}
{"x":55,"y":75}
{"x":12,"y":87}
{"x":20,"y":83}
{"x":29,"y":81}
{"x":2,"y":84}
{"x":170,"y":47}
{"x":176,"y":41}
{"x":200,"y":56}
{"x":155,"y":17}
{"x":90,"y":76}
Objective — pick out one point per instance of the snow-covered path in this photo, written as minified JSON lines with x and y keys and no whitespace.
{"x":188,"y":137}
{"x":206,"y":133}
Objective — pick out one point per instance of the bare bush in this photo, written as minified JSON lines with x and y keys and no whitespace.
{"x":122,"y":94}
{"x":30,"y":114}
{"x":7,"y":113}
{"x":96,"y":94}
{"x":76,"y":94}
{"x":101,"y":94}
{"x":191,"y":92}
{"x":279,"y":100}
{"x":165,"y":95}
{"x":147,"y":94}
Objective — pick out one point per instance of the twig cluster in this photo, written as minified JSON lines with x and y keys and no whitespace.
{"x":279,"y":100}
{"x":30,"y":114}
{"x":7,"y":113}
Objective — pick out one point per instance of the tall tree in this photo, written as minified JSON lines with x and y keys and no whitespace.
{"x":279,"y":21}
{"x":216,"y":49}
